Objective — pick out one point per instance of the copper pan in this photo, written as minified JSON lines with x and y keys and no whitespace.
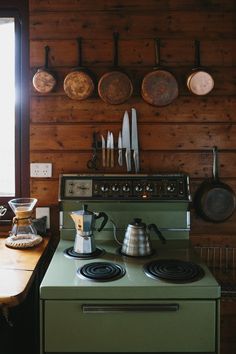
{"x":44,"y":80}
{"x":159,"y":87}
{"x":115,"y":86}
{"x":199,"y":82}
{"x":79,"y":84}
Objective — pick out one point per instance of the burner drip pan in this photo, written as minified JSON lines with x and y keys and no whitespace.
{"x":69,"y":252}
{"x":174,"y":271}
{"x":101,"y":271}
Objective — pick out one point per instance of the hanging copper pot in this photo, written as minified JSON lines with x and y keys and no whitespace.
{"x":79,"y":84}
{"x":44,"y":80}
{"x":115,"y":86}
{"x":199,"y":82}
{"x":159,"y":87}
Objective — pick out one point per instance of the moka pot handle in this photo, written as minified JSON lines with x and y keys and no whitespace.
{"x":105,"y":219}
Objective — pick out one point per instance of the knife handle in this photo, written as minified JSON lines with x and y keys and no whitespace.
{"x":120,"y":158}
{"x":108,"y":157}
{"x":128,"y":160}
{"x":112,"y":157}
{"x":136,"y":161}
{"x":103,"y":158}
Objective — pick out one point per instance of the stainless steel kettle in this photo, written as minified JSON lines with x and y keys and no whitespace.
{"x":137,"y":241}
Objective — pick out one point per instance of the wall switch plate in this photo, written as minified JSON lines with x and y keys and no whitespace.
{"x":41,"y":170}
{"x":43,"y":211}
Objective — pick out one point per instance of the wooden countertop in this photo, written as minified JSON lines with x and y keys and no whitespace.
{"x":17,"y":270}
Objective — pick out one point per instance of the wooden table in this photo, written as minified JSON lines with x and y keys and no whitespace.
{"x":17,"y":270}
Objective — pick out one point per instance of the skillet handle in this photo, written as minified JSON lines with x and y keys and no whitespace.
{"x":79,"y":44}
{"x":115,"y":38}
{"x":215,"y":171}
{"x":157,"y":52}
{"x":47,"y":49}
{"x":197,"y":53}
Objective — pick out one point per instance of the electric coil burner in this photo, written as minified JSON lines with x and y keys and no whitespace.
{"x":167,"y":302}
{"x":70,"y":252}
{"x":173,"y":270}
{"x":101,"y":271}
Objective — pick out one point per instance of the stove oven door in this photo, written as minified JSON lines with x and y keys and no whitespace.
{"x":187,"y":326}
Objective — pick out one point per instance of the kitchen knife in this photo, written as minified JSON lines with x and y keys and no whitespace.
{"x":126,"y":140}
{"x":134,"y":141}
{"x":108,"y":148}
{"x":120,"y":157}
{"x":112,"y":149}
{"x":103,"y":151}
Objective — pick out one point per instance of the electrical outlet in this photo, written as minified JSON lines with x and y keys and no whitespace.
{"x":41,"y":170}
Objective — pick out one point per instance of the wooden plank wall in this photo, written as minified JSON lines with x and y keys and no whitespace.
{"x":175,"y":138}
{"x":178,"y":137}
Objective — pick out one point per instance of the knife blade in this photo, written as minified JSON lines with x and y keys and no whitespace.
{"x":126,"y":140}
{"x":120,"y":157}
{"x":134,"y":141}
{"x":103,"y":151}
{"x":112,"y":148}
{"x":108,"y":148}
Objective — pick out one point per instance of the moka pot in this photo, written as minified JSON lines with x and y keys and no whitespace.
{"x":85,"y":224}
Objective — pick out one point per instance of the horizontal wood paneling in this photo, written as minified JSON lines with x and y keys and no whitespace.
{"x":198,"y":164}
{"x":61,"y":109}
{"x":152,"y":136}
{"x":130,"y":5}
{"x":135,"y":24}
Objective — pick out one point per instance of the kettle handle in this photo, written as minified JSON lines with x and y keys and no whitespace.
{"x":157,"y":231}
{"x":105,"y":219}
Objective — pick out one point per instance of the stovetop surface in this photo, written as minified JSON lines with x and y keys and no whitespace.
{"x":61,"y":280}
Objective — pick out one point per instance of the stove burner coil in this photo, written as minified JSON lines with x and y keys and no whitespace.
{"x":174,"y":271}
{"x":69,"y":252}
{"x":101,"y":271}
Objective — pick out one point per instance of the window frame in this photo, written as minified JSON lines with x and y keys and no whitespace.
{"x":18,"y":9}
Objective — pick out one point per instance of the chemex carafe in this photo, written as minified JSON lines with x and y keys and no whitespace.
{"x":85,"y":224}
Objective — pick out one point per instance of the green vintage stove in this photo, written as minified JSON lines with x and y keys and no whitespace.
{"x":98,"y":296}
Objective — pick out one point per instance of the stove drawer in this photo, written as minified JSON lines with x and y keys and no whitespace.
{"x":129,"y":326}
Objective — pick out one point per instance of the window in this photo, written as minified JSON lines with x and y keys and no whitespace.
{"x":14,"y":111}
{"x":7,"y":107}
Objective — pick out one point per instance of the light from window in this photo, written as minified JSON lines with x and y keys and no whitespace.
{"x":7,"y":107}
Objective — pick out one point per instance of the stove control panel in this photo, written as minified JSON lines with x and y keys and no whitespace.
{"x":125,"y":187}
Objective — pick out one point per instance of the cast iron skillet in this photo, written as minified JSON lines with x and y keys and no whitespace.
{"x":214,"y":200}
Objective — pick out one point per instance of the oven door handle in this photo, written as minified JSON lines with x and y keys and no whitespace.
{"x":130,"y":308}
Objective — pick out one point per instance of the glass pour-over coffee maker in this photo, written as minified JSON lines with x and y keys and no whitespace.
{"x":23,"y":233}
{"x":22,"y":222}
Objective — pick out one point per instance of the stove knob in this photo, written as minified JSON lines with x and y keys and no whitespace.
{"x":126,"y":188}
{"x":138,"y":188}
{"x":115,"y":188}
{"x":104,"y":188}
{"x":149,"y":188}
{"x":171,"y":187}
